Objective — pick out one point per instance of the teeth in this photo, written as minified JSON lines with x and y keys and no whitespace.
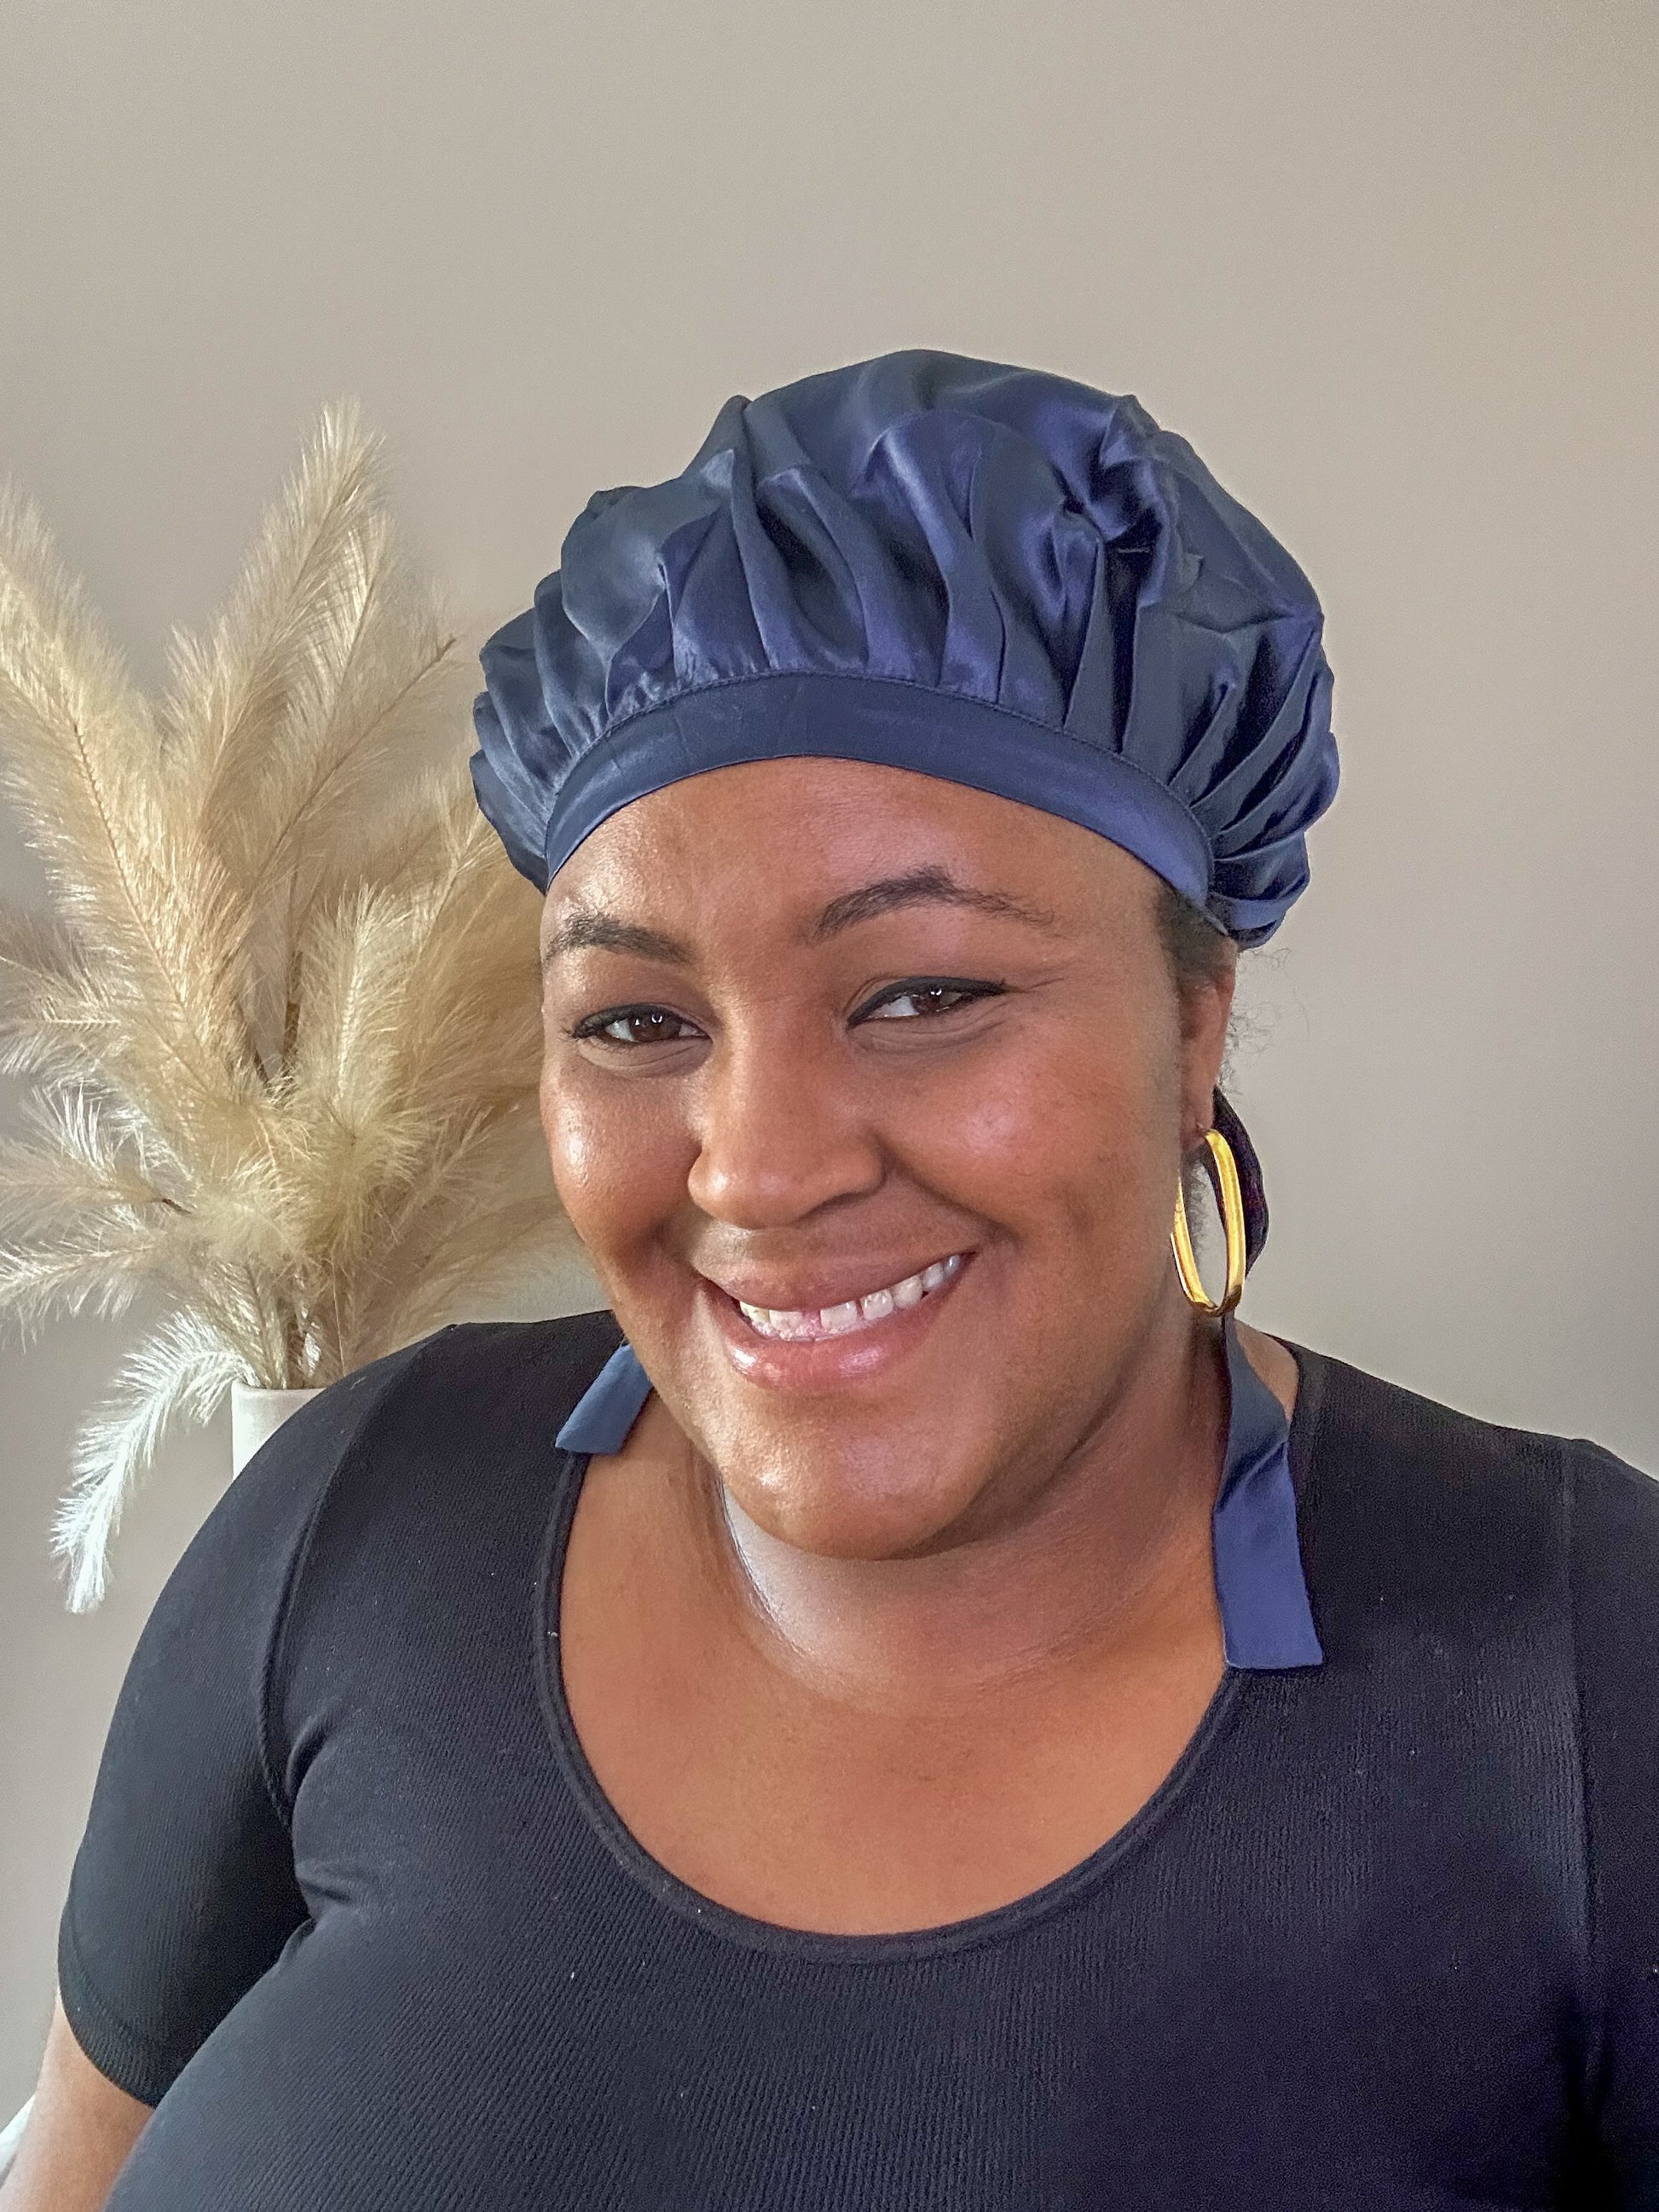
{"x":806,"y":1326}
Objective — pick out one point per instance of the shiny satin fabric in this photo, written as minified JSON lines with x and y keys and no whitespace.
{"x":984,"y":572}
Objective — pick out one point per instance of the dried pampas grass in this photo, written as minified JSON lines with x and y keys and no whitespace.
{"x":283,"y":1030}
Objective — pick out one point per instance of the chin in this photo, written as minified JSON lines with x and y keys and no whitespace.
{"x":836,"y":1500}
{"x":825,"y":1527}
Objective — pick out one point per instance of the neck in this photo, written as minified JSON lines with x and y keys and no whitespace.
{"x":1104,"y":1553}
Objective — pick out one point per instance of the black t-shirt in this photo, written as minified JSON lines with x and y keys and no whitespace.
{"x":351,"y":1905}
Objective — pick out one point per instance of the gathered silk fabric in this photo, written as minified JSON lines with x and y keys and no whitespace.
{"x":991,"y":574}
{"x":353,"y":1912}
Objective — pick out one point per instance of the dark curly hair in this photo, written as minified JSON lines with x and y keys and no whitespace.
{"x":1197,"y":952}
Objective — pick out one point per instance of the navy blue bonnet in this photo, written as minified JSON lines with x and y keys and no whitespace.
{"x":988,"y":574}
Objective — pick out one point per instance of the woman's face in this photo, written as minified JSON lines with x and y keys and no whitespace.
{"x":867,"y":1094}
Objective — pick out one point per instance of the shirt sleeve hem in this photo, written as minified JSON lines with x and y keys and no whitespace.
{"x":144,"y":2069}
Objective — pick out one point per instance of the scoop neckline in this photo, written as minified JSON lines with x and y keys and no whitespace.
{"x":1236,"y":1692}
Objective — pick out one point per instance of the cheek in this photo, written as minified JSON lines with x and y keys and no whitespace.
{"x":619,"y":1162}
{"x":1064,"y":1145}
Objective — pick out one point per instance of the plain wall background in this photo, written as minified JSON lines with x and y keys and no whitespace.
{"x":1391,"y":267}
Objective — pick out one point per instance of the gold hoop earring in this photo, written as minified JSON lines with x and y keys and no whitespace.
{"x":1232,"y":1222}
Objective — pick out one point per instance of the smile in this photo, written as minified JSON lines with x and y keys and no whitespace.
{"x":808,"y":1324}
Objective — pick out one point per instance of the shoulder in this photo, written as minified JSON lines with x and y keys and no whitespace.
{"x":1408,"y":1500}
{"x":485,"y":1396}
{"x":358,"y":1442}
{"x":419,"y":1476}
{"x":462,"y":1381}
{"x":547,"y":1360}
{"x":1496,"y":1590}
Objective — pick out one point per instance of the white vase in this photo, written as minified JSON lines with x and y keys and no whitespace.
{"x":10,"y":2136}
{"x":257,"y":1414}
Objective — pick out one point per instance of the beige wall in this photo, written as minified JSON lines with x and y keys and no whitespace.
{"x":1389,"y":263}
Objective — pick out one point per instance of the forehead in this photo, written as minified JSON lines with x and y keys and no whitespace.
{"x":777,"y":840}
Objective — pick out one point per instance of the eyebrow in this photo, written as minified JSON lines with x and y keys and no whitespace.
{"x":586,"y":929}
{"x":922,"y":887}
{"x":590,"y":929}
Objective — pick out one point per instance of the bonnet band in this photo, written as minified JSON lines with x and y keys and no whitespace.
{"x":889,"y":724}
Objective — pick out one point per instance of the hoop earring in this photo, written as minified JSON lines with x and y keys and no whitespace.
{"x":1232,"y":1222}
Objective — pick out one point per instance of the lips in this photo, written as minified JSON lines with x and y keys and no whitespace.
{"x":809,"y":1324}
{"x":863,"y":1331}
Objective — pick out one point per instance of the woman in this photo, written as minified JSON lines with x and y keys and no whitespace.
{"x":915,"y":1707}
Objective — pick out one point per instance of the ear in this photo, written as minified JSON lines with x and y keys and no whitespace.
{"x":1206,"y":1006}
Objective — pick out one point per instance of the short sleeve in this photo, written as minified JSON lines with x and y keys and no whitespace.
{"x":1616,"y":1626}
{"x":183,"y":1891}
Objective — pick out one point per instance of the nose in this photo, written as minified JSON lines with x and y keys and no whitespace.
{"x":781,"y":1134}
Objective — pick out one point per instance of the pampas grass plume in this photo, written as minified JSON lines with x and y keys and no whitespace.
{"x":282,"y":1029}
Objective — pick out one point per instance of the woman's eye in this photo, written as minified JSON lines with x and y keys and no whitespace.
{"x":633,"y":1025}
{"x":911,"y":999}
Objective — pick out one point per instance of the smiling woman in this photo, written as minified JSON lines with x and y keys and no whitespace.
{"x":914,"y":1705}
{"x":944,"y":1038}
